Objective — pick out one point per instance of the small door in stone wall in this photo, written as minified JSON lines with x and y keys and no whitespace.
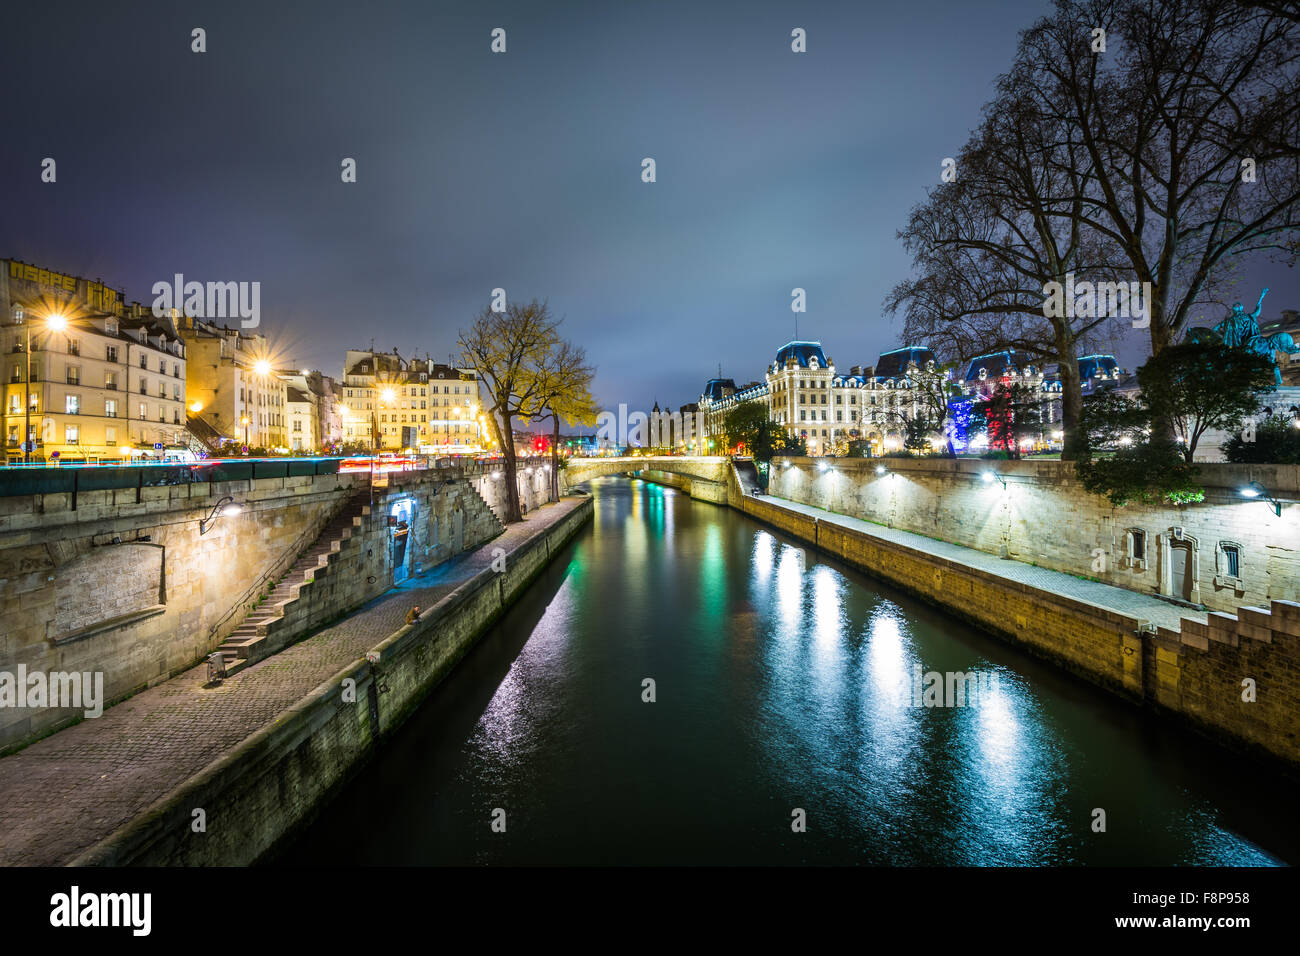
{"x":458,"y":531}
{"x":1181,"y":575}
{"x":400,"y":519}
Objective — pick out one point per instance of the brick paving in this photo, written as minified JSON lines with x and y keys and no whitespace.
{"x":1120,"y":600}
{"x":65,"y":793}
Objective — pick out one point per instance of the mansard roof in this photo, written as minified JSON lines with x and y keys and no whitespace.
{"x":802,"y":353}
{"x":894,"y":364}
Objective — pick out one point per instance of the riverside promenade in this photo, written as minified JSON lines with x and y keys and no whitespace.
{"x":64,"y":794}
{"x":1105,"y":596}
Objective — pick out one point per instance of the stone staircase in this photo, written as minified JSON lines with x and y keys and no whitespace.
{"x":241,"y":648}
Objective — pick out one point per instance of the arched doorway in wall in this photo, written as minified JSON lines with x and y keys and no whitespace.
{"x":1180,"y":566}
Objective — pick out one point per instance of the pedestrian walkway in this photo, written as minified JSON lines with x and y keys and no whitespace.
{"x":67,"y":792}
{"x":1120,"y":600}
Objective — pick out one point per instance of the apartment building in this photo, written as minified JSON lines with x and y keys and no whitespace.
{"x":86,"y":377}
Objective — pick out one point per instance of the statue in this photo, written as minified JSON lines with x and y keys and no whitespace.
{"x":1241,"y":330}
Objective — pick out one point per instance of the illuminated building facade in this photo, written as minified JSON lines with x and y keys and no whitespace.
{"x":395,"y":404}
{"x":233,"y":384}
{"x":108,"y":379}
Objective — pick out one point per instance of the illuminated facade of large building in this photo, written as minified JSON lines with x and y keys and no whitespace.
{"x":107,"y":379}
{"x":234,"y":386}
{"x":395,"y":404}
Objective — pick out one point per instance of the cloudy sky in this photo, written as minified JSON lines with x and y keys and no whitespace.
{"x":520,"y":171}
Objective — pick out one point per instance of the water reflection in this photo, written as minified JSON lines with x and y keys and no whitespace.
{"x":783,"y":681}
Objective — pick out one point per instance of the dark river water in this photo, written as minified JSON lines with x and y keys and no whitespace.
{"x":782,"y":683}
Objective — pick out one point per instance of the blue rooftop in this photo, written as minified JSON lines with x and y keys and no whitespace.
{"x":894,"y":364}
{"x":801,"y":352}
{"x":714,"y":389}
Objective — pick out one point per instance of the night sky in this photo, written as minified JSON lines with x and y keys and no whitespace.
{"x":521,"y":170}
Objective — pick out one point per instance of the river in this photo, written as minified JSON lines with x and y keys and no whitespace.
{"x":784,"y":698}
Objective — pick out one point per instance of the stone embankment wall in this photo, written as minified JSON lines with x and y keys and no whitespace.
{"x":1045,"y":517}
{"x":273,"y":781}
{"x":1196,"y":675}
{"x":126,"y":586}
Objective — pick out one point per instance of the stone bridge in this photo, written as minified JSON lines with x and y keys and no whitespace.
{"x":705,"y":477}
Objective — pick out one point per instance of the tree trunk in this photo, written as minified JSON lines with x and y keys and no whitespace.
{"x":1071,"y":400}
{"x":555,"y":460}
{"x":506,"y":439}
{"x":1162,"y":426}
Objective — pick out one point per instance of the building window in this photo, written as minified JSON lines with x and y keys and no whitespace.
{"x":111,"y":353}
{"x":142,"y":411}
{"x":71,"y":434}
{"x":72,"y":404}
{"x":110,"y":408}
{"x":110,"y":435}
{"x":1135,"y":549}
{"x":144,"y":361}
{"x":1227,"y":560}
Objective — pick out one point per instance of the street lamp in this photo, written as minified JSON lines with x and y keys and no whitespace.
{"x":227,"y":507}
{"x":53,"y":323}
{"x":990,"y":476}
{"x":1255,"y":490}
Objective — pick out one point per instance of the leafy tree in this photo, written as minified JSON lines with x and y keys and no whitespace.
{"x":1110,"y":420}
{"x":1150,"y":470}
{"x":1013,"y":412}
{"x":1202,"y":385}
{"x":507,"y":348}
{"x":563,"y":392}
{"x":1194,"y":387}
{"x":749,"y":425}
{"x":1276,"y":442}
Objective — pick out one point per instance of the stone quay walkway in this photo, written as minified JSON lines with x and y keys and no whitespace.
{"x":1120,"y":600}
{"x":65,"y":793}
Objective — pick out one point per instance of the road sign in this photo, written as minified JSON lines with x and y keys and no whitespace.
{"x":157,"y":446}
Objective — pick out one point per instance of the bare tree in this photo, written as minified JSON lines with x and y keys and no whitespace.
{"x":1189,"y":120}
{"x":987,"y":245}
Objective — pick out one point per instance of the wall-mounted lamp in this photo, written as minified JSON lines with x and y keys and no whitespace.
{"x":990,"y":476}
{"x":822,"y":466}
{"x":1256,"y":490}
{"x":881,"y":469}
{"x":227,"y":507}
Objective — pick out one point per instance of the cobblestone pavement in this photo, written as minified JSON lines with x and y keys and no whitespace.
{"x":63,"y":794}
{"x":1121,"y":600}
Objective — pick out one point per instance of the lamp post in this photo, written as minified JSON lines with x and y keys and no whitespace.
{"x":226,"y":507}
{"x":53,"y":323}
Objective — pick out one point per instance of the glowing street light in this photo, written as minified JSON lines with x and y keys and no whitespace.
{"x":1255,"y":490}
{"x":227,"y":507}
{"x":54,"y":322}
{"x":989,"y":477}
